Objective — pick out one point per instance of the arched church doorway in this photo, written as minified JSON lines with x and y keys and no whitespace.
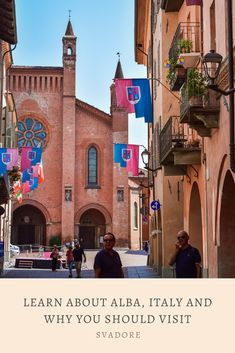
{"x":91,"y":227}
{"x":29,"y":226}
{"x":195,"y":219}
{"x":226,"y":251}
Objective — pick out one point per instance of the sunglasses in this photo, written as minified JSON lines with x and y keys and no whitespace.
{"x":108,"y":240}
{"x":182,"y":237}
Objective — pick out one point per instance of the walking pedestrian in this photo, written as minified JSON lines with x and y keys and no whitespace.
{"x":78,"y":254}
{"x":146,"y":247}
{"x":107,"y":262}
{"x":54,"y":257}
{"x":70,"y":262}
{"x":186,"y":258}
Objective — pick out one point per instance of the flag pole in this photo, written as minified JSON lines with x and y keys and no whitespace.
{"x":156,"y":79}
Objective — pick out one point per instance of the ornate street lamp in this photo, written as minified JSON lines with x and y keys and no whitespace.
{"x":145,"y":155}
{"x":145,"y":158}
{"x":212,"y":65}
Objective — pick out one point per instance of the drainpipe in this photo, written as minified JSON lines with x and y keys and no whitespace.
{"x":152,"y":88}
{"x":205,"y":246}
{"x":3,"y":231}
{"x":204,"y":159}
{"x":231,"y":82}
{"x":1,"y":85}
{"x":159,"y":266}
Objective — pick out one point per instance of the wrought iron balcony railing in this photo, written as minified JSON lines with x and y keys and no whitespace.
{"x":179,"y":147}
{"x":197,"y":99}
{"x":183,"y":54}
{"x":172,"y":136}
{"x":200,"y":106}
{"x":186,"y":39}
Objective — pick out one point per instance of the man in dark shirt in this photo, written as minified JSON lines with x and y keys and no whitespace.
{"x":78,"y":253}
{"x":107,"y":261}
{"x":186,"y":258}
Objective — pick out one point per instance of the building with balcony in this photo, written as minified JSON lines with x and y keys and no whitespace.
{"x":190,"y":135}
{"x":168,"y":190}
{"x":8,"y":121}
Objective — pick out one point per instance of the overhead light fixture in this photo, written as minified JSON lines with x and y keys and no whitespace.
{"x":212,"y":66}
{"x":145,"y":155}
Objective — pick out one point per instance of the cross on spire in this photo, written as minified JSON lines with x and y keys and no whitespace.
{"x":69,"y":14}
{"x":119,"y":73}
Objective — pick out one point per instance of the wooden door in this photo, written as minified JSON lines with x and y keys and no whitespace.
{"x":88,"y":235}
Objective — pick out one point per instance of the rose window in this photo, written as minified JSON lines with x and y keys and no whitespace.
{"x":32,"y":133}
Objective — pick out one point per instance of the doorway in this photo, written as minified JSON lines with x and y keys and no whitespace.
{"x":88,"y":236}
{"x":29,"y":226}
{"x":91,"y":228}
{"x":226,"y":250}
{"x":195,"y":219}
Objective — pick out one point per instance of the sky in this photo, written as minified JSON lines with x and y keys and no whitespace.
{"x":102,"y":27}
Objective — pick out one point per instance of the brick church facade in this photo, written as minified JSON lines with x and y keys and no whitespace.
{"x":84,"y":193}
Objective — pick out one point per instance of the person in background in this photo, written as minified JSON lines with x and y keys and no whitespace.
{"x":54,"y":257}
{"x":146,"y":246}
{"x":78,"y":254}
{"x":186,"y":258}
{"x":69,"y":256}
{"x":81,"y":242}
{"x":107,"y":262}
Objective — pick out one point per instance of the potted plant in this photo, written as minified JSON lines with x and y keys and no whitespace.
{"x":14,"y":174}
{"x":14,"y":177}
{"x":172,"y":62}
{"x":196,"y":86}
{"x":176,"y":73}
{"x":185,"y":45}
{"x":55,"y":240}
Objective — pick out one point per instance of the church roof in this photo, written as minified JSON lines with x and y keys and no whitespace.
{"x":119,"y":73}
{"x":69,"y":29}
{"x":93,"y":110}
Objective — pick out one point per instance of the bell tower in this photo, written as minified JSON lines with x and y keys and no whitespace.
{"x":69,"y":60}
{"x":68,"y":135}
{"x":120,"y":177}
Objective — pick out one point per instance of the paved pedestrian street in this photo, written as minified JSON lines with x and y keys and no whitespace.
{"x":134,"y":266}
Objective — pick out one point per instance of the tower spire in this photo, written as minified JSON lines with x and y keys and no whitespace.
{"x":119,"y":73}
{"x":69,"y":29}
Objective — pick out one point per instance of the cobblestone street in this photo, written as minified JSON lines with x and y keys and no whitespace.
{"x":134,"y":266}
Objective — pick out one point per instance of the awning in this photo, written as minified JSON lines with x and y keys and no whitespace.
{"x":8,"y":21}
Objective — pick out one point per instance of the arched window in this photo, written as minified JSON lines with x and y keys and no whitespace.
{"x":92,"y":166}
{"x":135,"y":215}
{"x":69,"y":51}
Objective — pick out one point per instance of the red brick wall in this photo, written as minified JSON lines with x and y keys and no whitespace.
{"x":73,"y":127}
{"x":48,"y":94}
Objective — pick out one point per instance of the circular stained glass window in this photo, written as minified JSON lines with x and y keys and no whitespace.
{"x":32,"y":133}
